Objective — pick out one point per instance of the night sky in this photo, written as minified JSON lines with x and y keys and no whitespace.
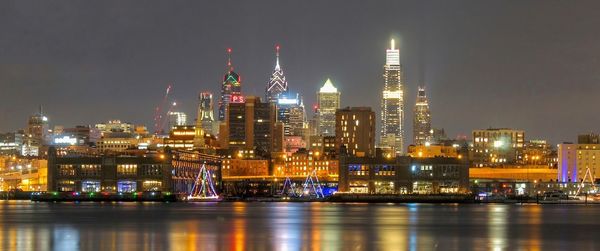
{"x":531,"y":65}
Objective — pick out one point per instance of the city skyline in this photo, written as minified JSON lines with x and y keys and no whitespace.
{"x":467,"y":91}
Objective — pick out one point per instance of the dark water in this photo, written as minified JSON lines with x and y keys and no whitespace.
{"x":296,"y":226}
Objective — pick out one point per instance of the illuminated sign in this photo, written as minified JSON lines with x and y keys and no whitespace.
{"x":287,"y":101}
{"x":237,"y":98}
{"x":65,"y":140}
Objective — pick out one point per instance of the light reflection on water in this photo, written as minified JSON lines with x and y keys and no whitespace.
{"x":295,"y":226}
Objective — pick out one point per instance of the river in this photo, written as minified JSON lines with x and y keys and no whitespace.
{"x":296,"y":226}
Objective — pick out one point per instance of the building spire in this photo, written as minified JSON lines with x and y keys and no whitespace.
{"x":277,"y":68}
{"x":229,"y":67}
{"x":392,"y":44}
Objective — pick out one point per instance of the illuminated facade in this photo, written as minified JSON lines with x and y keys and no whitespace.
{"x":539,"y":153}
{"x":430,"y":151}
{"x":205,"y":117}
{"x":177,"y":119}
{"x":36,"y":135}
{"x":92,"y":174}
{"x":27,"y":174}
{"x":231,"y":89}
{"x":392,"y":105}
{"x":277,"y":83}
{"x":290,"y":111}
{"x":422,"y":119}
{"x":181,"y":137}
{"x":403,"y":175}
{"x":328,"y":99}
{"x":252,"y":125}
{"x":355,"y":130}
{"x":497,"y":147}
{"x":303,"y":163}
{"x":114,"y":126}
{"x":575,"y":160}
{"x":245,"y":167}
{"x":172,"y":171}
{"x":11,"y":143}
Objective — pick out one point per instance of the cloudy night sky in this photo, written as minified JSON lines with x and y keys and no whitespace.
{"x":517,"y":64}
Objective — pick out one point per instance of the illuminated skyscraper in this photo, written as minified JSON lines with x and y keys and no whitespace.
{"x":422,"y":119}
{"x":231,"y":89}
{"x":392,"y":106}
{"x":205,"y":118}
{"x":328,"y":99}
{"x":36,"y":134}
{"x":277,"y":83}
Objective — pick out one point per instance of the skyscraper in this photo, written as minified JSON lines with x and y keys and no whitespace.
{"x":328,"y":99}
{"x":290,"y":111}
{"x":355,"y":130}
{"x":422,"y":119}
{"x":205,"y":118}
{"x":277,"y":83}
{"x":36,"y":134}
{"x":251,"y":125}
{"x":392,"y":105}
{"x":231,"y":89}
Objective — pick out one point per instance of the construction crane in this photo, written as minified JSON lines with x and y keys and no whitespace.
{"x":159,"y":114}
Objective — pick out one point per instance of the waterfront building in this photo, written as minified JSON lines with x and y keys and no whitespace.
{"x":172,"y":171}
{"x":578,"y":162}
{"x":422,"y":119}
{"x":392,"y":105}
{"x":497,"y":147}
{"x":231,"y":89}
{"x":252,"y":125}
{"x":403,"y":175}
{"x":23,"y":173}
{"x":305,"y":162}
{"x":355,"y":130}
{"x":277,"y":83}
{"x":328,"y":99}
{"x":239,"y":167}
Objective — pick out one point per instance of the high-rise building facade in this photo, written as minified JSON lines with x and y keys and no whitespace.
{"x":231,"y":89}
{"x":252,"y":125}
{"x":277,"y":83}
{"x":328,"y":99}
{"x":290,"y":111}
{"x":205,"y":118}
{"x":422,"y":119}
{"x":37,"y":134}
{"x":392,"y":105}
{"x":355,"y":130}
{"x":177,"y":119}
